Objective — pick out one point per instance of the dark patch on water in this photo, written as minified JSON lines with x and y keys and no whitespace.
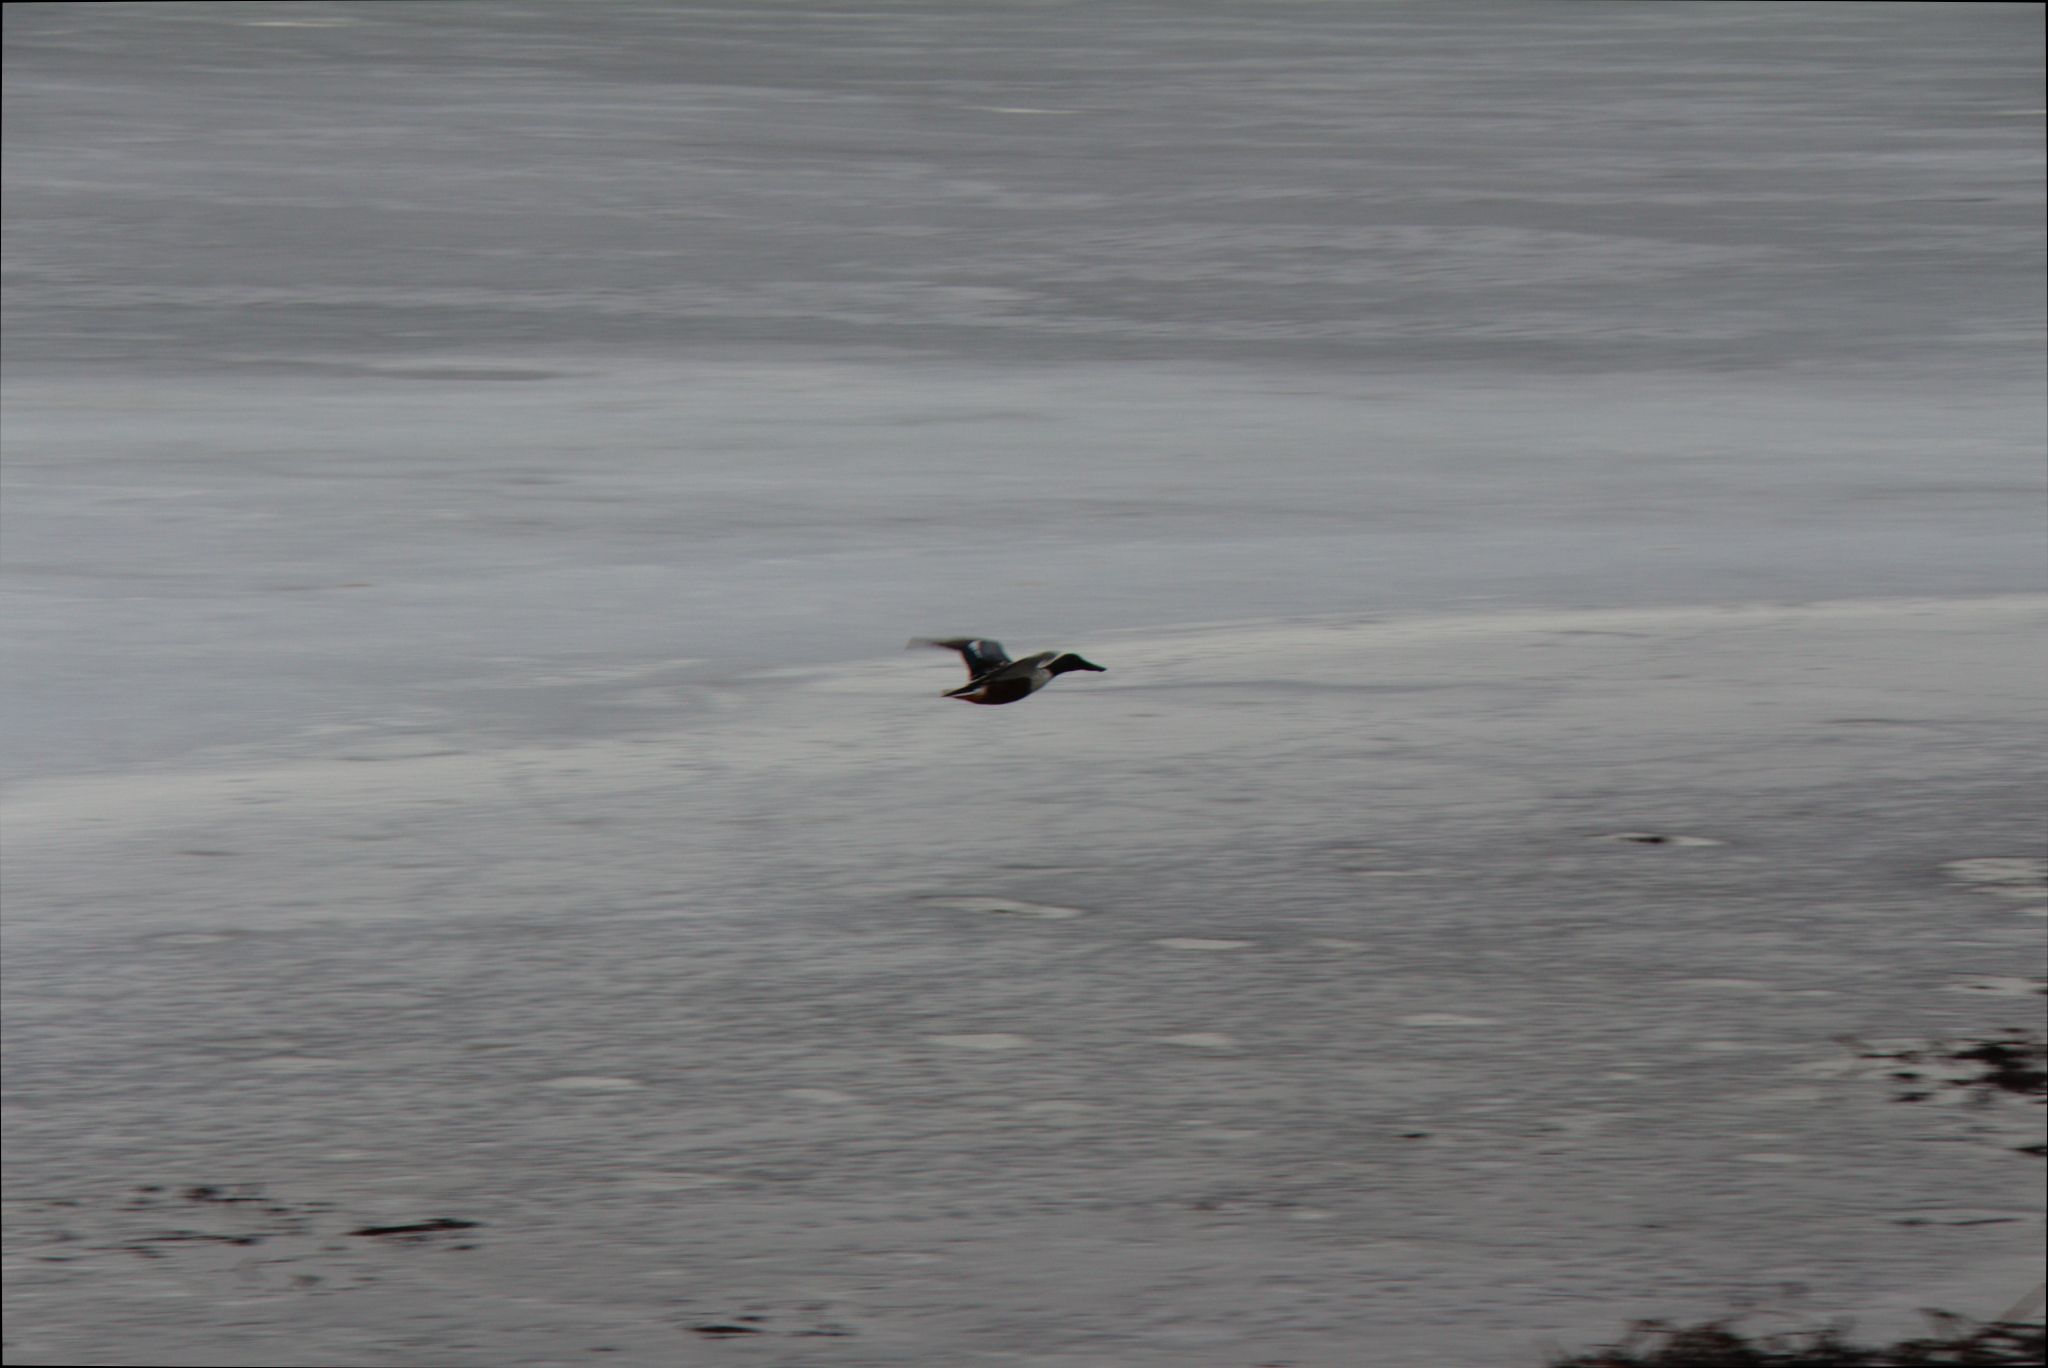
{"x":432,"y":1226}
{"x":1956,"y":1341}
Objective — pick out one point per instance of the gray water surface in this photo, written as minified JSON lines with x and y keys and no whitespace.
{"x":468,"y":470}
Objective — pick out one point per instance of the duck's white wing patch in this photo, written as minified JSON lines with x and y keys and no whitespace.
{"x":980,"y":653}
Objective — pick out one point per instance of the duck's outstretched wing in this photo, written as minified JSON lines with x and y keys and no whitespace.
{"x":980,"y":654}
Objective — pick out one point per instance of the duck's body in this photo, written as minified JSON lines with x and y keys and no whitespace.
{"x":992,"y":677}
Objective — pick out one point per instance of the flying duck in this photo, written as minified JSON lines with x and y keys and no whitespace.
{"x":992,"y":677}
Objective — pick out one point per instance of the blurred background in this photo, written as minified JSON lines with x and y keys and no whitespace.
{"x":469,"y":469}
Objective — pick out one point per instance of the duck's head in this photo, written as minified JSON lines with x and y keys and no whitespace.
{"x":1062,"y":663}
